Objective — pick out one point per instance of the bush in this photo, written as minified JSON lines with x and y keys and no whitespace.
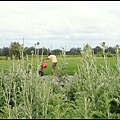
{"x":109,"y":54}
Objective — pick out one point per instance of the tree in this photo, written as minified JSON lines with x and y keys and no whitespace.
{"x":111,"y":49}
{"x":97,"y":49}
{"x":5,"y":52}
{"x":75,"y":51}
{"x":56,"y":51}
{"x":29,"y":49}
{"x":15,"y":49}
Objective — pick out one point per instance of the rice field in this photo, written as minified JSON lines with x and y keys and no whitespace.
{"x":72,"y":63}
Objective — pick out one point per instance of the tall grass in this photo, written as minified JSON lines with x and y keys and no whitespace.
{"x":94,"y":92}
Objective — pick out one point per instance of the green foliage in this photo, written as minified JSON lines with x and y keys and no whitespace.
{"x":62,"y":72}
{"x":90,"y":88}
{"x":93,"y":93}
{"x":4,"y":111}
{"x":99,"y":54}
{"x":109,"y":54}
{"x":15,"y":49}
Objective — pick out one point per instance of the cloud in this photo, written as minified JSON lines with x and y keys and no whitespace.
{"x":59,"y":23}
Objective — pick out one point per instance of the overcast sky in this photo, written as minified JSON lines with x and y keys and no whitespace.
{"x":57,"y":24}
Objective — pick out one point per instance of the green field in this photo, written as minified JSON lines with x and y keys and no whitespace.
{"x":71,"y":66}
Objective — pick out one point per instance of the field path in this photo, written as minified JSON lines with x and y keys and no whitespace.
{"x":47,"y":77}
{"x":55,"y":79}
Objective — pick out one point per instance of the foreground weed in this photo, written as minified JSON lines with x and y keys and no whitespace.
{"x":93,"y":93}
{"x":94,"y":89}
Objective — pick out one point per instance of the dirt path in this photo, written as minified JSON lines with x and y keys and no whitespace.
{"x":55,"y":79}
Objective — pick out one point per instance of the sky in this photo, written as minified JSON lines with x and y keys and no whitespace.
{"x":57,"y":24}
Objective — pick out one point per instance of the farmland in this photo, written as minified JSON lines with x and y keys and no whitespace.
{"x":71,"y":66}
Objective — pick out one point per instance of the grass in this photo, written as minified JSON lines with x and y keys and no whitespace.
{"x":4,"y":64}
{"x":72,"y":61}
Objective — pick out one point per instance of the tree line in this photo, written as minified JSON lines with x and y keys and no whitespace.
{"x":16,"y":49}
